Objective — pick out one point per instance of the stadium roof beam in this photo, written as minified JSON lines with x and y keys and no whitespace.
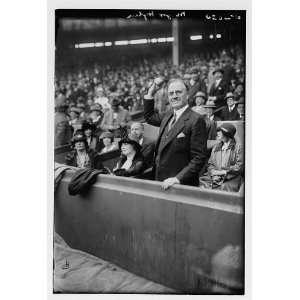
{"x":177,"y":42}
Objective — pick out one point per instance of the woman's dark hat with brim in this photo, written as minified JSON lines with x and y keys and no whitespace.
{"x":78,"y":138}
{"x":132,"y":141}
{"x":227,"y":129}
{"x":88,"y":125}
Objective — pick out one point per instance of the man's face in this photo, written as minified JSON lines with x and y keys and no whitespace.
{"x":136,"y":129}
{"x":177,"y":95}
{"x":88,"y":132}
{"x":199,"y":101}
{"x":127,"y":149}
{"x":230,"y":101}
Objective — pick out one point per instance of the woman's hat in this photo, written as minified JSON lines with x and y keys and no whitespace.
{"x":88,"y":125}
{"x":78,"y":138}
{"x":106,"y":134}
{"x":228,"y":129}
{"x":132,"y":141}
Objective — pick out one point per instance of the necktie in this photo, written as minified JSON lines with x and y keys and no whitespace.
{"x":172,"y":122}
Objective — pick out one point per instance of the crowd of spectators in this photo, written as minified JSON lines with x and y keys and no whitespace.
{"x":94,"y":106}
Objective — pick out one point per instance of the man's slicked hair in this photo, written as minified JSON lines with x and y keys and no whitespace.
{"x":180,"y":80}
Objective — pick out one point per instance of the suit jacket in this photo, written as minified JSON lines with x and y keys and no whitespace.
{"x":220,"y":92}
{"x":182,"y":153}
{"x":227,"y":115}
{"x":148,"y":148}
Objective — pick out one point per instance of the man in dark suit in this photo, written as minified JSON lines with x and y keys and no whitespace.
{"x":218,"y":89}
{"x":196,"y":84}
{"x":230,"y":112}
{"x":180,"y":151}
{"x":148,"y":146}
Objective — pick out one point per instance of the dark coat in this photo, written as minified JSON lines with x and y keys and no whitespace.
{"x":182,"y":153}
{"x":148,"y":148}
{"x":219,"y":92}
{"x":95,"y":163}
{"x":137,"y":168}
{"x":227,"y":115}
{"x":62,"y":130}
{"x":197,"y":87}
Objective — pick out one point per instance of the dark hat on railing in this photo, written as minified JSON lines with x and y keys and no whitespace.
{"x":228,"y":129}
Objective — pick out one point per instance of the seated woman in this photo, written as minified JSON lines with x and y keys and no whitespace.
{"x":226,"y":162}
{"x":89,"y":130}
{"x":131,"y":162}
{"x":107,"y":139}
{"x":82,"y":156}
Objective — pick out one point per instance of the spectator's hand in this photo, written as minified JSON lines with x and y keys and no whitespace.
{"x":169,"y":182}
{"x":218,"y":172}
{"x":155,"y":86}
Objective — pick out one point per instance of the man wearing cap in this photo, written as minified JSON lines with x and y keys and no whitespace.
{"x":230,"y":112}
{"x":196,"y":84}
{"x":116,"y":117}
{"x":218,"y":89}
{"x":180,"y":151}
{"x":211,"y":121}
{"x":226,"y":163}
{"x":62,"y":129}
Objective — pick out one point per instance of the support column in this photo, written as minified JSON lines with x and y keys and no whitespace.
{"x":177,"y":43}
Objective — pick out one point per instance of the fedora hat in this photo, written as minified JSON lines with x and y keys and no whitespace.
{"x":229,"y":95}
{"x":218,"y":70}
